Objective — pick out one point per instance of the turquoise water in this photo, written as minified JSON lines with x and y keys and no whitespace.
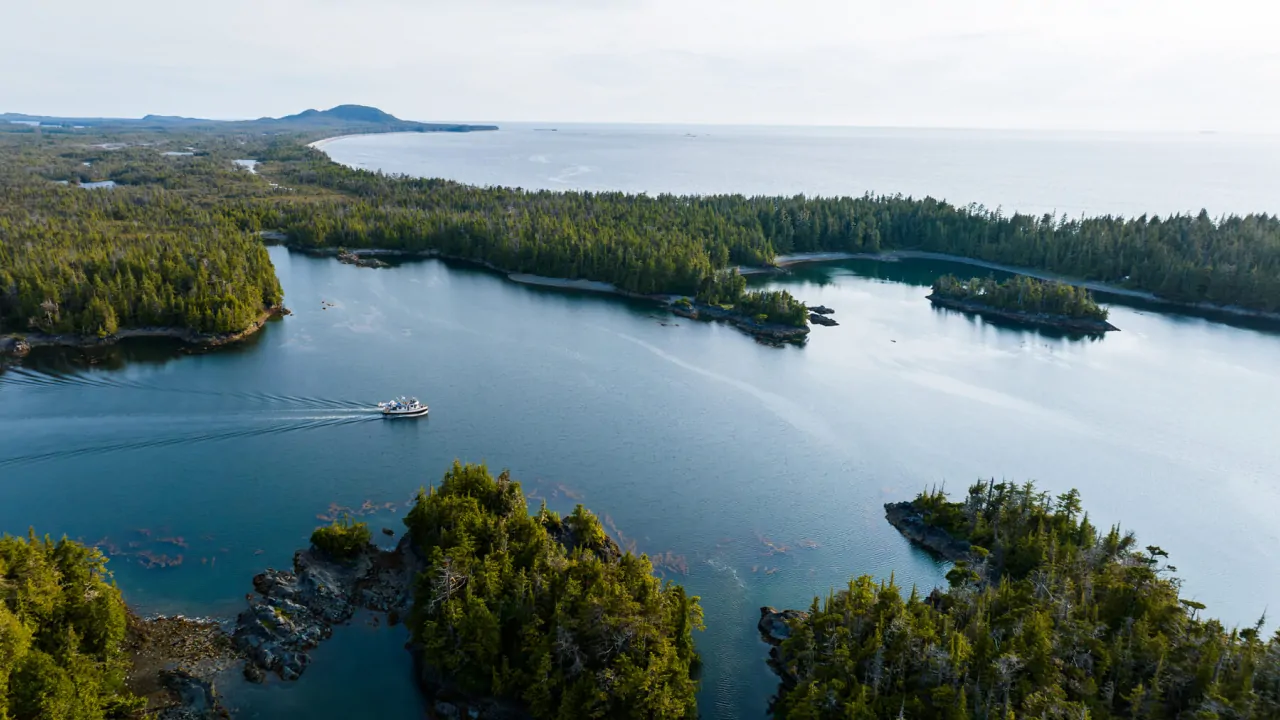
{"x":691,"y":438}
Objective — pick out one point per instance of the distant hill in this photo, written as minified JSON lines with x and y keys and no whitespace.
{"x":343,"y":113}
{"x":344,"y":117}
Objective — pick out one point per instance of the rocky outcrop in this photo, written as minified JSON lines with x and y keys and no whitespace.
{"x":1060,"y":322}
{"x":352,"y":258}
{"x":821,"y":310}
{"x":764,"y":331}
{"x":293,"y":612}
{"x":910,"y":522}
{"x":15,"y":346}
{"x":775,"y":625}
{"x":195,"y":698}
{"x":775,"y":628}
{"x":821,"y":319}
{"x":173,"y":661}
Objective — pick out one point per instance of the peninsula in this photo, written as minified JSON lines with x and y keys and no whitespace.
{"x":155,"y":223}
{"x":1045,"y":616}
{"x":1024,"y":300}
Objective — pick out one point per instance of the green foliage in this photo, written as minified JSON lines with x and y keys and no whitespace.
{"x":729,"y":289}
{"x":174,"y":243}
{"x":162,"y":248}
{"x":342,"y":538}
{"x":544,"y":611}
{"x":61,"y":628}
{"x":673,"y":244}
{"x":1056,"y":621}
{"x":1022,"y":294}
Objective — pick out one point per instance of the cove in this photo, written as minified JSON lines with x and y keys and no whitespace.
{"x":762,"y":470}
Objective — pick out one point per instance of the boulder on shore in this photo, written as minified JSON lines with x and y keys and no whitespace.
{"x":817,"y":319}
{"x":15,"y":346}
{"x":775,"y":625}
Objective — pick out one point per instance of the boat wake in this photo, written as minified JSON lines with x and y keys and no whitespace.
{"x":292,"y":425}
{"x":53,"y":380}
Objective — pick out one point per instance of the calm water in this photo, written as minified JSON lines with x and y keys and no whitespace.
{"x":690,"y":437}
{"x":1037,"y":172}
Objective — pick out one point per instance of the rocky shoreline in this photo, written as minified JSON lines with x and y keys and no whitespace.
{"x":19,"y":345}
{"x":293,"y":611}
{"x":351,"y":258}
{"x":1060,"y":322}
{"x":765,"y":331}
{"x":911,"y":523}
{"x":174,"y":662}
{"x":775,"y":628}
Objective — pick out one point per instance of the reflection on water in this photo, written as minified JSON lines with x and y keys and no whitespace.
{"x":753,"y":475}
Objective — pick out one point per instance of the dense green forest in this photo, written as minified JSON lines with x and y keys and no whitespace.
{"x":546,"y":611}
{"x":62,"y":625}
{"x":158,"y":250}
{"x":668,"y":243}
{"x":728,"y":289}
{"x":1050,"y":618}
{"x":175,"y":242}
{"x":1022,"y":294}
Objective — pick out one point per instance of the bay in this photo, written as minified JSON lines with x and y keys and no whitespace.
{"x":758,"y":473}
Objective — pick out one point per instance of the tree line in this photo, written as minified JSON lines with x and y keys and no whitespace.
{"x":1050,"y":617}
{"x":175,"y":242}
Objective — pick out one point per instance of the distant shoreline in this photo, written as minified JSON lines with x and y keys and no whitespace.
{"x":785,"y":261}
{"x":19,"y":344}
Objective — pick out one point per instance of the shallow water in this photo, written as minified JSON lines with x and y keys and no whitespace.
{"x":762,"y":469}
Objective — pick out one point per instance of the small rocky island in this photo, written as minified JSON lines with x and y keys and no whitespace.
{"x":773,"y":316}
{"x":1024,"y":300}
{"x":761,"y":329}
{"x":360,"y":259}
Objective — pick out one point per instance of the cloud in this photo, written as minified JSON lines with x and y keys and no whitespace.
{"x":1140,"y":64}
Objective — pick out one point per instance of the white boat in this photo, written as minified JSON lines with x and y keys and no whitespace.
{"x":402,"y":407}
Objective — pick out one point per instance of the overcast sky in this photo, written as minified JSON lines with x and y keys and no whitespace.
{"x":1080,"y":64}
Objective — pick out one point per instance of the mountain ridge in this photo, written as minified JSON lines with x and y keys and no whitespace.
{"x":346,"y":116}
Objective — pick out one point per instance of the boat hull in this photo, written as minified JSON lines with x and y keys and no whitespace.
{"x":408,"y":414}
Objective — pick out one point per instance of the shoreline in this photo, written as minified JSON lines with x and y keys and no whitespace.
{"x":1057,"y":322}
{"x":465,"y":128}
{"x":19,"y":344}
{"x":786,"y":261}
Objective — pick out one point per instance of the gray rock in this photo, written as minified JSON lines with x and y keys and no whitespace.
{"x":775,"y":625}
{"x":293,"y":612}
{"x":910,"y":522}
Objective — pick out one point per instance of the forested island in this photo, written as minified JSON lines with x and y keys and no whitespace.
{"x":1046,"y":616}
{"x":1024,"y":299}
{"x":512,"y":614}
{"x":176,"y":241}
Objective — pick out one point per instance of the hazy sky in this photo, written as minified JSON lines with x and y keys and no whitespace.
{"x":1089,"y":64}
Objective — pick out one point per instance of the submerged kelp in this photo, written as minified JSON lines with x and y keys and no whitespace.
{"x":1048,"y":618}
{"x":544,"y":612}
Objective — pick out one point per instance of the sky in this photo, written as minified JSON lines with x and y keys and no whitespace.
{"x":1130,"y":65}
